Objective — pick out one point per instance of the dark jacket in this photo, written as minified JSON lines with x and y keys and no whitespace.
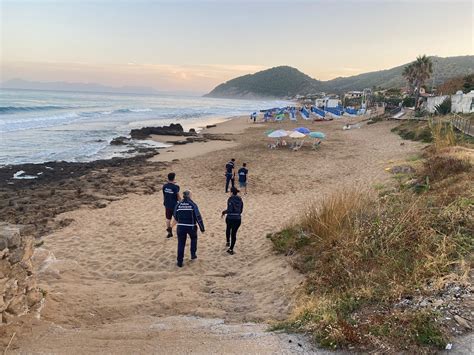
{"x":186,"y":213}
{"x":235,"y":207}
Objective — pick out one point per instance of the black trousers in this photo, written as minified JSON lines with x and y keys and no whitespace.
{"x":183,"y":232}
{"x":231,"y":231}
{"x":228,"y":179}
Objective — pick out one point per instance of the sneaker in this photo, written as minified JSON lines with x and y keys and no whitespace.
{"x":179,"y":264}
{"x":193,"y":257}
{"x":230,"y":251}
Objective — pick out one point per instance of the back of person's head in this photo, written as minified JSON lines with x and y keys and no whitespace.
{"x":187,"y":194}
{"x":232,"y":159}
{"x":171,"y":176}
{"x":234,"y":191}
{"x":244,"y":165}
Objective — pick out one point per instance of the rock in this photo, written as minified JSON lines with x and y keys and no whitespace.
{"x":9,"y":236}
{"x":171,"y":130}
{"x":462,"y":322}
{"x":18,"y":306}
{"x":33,"y":298}
{"x":402,"y":169}
{"x":120,"y":141}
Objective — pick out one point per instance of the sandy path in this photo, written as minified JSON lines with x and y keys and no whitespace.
{"x":114,"y":275}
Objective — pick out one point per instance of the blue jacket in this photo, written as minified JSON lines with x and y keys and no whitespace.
{"x":186,"y":213}
{"x":235,"y":207}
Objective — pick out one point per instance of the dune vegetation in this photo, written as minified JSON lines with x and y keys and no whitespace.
{"x":368,"y":255}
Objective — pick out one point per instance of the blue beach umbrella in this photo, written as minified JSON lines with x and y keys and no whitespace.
{"x":319,"y":135}
{"x":303,"y":130}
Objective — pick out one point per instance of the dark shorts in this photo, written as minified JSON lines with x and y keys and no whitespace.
{"x":242,"y":183}
{"x":169,"y":213}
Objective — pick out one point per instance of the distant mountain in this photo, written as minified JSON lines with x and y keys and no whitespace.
{"x":286,"y":81}
{"x":78,"y":87}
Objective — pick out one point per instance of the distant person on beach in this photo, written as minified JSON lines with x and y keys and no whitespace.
{"x":187,"y":217}
{"x":170,"y":199}
{"x":235,"y":206}
{"x":253,"y":117}
{"x":229,"y":174}
{"x":243,"y":171}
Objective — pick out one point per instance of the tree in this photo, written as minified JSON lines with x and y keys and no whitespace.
{"x":445,"y":107}
{"x":417,"y":73}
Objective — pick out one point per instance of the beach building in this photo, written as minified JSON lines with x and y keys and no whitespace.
{"x":460,"y":102}
{"x":433,"y":101}
{"x":327,"y":102}
{"x":353,"y":94}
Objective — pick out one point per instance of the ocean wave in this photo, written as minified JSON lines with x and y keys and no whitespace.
{"x":13,"y":109}
{"x":125,"y":110}
{"x":37,"y":122}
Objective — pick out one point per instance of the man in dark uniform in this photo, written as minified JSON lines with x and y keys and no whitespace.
{"x":170,"y":199}
{"x":229,"y":174}
{"x":187,"y":216}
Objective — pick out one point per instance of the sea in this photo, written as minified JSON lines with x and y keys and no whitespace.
{"x":40,"y":126}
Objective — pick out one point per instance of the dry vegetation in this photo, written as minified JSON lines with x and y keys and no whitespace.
{"x":362,"y":254}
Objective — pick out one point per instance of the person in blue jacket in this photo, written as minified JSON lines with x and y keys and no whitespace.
{"x":229,"y":174}
{"x":235,"y":207}
{"x":243,"y":171}
{"x":187,"y":217}
{"x":170,"y":199}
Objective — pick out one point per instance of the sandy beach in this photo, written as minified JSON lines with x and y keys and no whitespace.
{"x":110,"y":275}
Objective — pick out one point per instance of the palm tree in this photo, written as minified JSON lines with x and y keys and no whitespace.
{"x":417,"y":73}
{"x":409,"y":75}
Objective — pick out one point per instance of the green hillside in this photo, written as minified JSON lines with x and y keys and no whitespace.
{"x":275,"y":82}
{"x":286,"y":81}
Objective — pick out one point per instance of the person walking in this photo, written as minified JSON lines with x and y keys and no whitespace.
{"x":187,"y":217}
{"x":229,"y":174}
{"x":170,"y":199}
{"x":242,"y":173}
{"x":235,"y":207}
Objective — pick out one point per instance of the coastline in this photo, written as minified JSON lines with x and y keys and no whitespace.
{"x":113,"y":265}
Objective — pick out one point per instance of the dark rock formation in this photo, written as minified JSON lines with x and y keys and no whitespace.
{"x":120,"y":141}
{"x":174,"y":129}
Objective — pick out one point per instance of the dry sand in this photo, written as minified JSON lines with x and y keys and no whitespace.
{"x":111,"y":277}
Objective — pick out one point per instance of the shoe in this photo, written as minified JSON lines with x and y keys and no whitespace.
{"x":179,"y":264}
{"x":227,"y":245}
{"x":230,"y":251}
{"x":193,"y":257}
{"x":170,"y":232}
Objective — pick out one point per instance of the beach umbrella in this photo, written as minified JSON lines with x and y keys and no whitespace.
{"x":319,"y":135}
{"x":297,"y":134}
{"x":303,"y":130}
{"x":278,"y":134}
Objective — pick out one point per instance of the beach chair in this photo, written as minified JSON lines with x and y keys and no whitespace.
{"x":316,"y":145}
{"x":298,"y":146}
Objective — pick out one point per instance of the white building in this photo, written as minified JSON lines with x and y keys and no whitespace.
{"x":433,"y":101}
{"x":462,"y":103}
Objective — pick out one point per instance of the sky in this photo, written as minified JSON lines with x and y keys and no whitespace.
{"x":195,"y":45}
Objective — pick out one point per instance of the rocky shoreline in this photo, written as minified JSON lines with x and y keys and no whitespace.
{"x":63,"y":186}
{"x":32,"y":195}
